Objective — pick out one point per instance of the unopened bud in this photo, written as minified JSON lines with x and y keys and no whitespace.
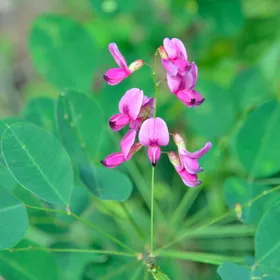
{"x":179,"y":140}
{"x":174,"y":159}
{"x":137,"y":64}
{"x":238,"y":210}
{"x":162,"y":52}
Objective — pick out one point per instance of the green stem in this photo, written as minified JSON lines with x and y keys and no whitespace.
{"x":215,"y":220}
{"x":89,"y":224}
{"x":121,"y":269}
{"x":152,"y":209}
{"x":201,"y":257}
{"x":66,"y":250}
{"x":139,"y":231}
{"x":184,"y":205}
{"x":223,"y":231}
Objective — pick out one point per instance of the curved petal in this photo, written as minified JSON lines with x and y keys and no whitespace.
{"x":154,"y":155}
{"x":190,"y":98}
{"x":113,"y":160}
{"x":170,"y":48}
{"x":130,"y":103}
{"x":127,"y":142}
{"x":189,"y":180}
{"x":169,"y":67}
{"x":174,"y":83}
{"x":190,"y":78}
{"x":154,"y":132}
{"x":191,"y":184}
{"x":191,"y":164}
{"x":118,"y":57}
{"x":180,"y":46}
{"x":198,"y":154}
{"x":118,"y":121}
{"x":115,"y":75}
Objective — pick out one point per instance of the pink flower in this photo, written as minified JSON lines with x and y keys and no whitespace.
{"x":174,"y":57}
{"x":128,"y":149}
{"x":154,"y":133}
{"x":188,"y":179}
{"x":181,"y":75}
{"x":188,"y":159}
{"x":115,"y":75}
{"x":129,"y":107}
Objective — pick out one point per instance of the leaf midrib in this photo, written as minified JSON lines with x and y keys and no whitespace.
{"x":36,"y":165}
{"x":10,"y":207}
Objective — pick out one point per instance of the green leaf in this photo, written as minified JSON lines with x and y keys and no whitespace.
{"x":249,"y":88}
{"x":63,"y":51}
{"x":216,"y":115}
{"x":267,"y":240}
{"x":225,"y":16}
{"x":40,"y":111}
{"x":107,"y":184}
{"x":38,"y":162}
{"x":6,"y":178}
{"x":231,"y":271}
{"x":28,"y":265}
{"x":81,"y":124}
{"x":237,"y":190}
{"x":13,"y":220}
{"x":257,"y":141}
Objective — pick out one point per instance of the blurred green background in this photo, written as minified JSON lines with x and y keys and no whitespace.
{"x":49,"y":46}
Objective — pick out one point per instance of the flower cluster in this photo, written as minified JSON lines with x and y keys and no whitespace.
{"x":137,"y":112}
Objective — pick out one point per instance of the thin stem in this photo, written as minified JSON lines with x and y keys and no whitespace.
{"x":215,"y":220}
{"x":139,"y":231}
{"x":184,"y":205}
{"x":201,"y":257}
{"x":155,"y":83}
{"x":152,"y":209}
{"x":89,"y":224}
{"x":70,"y":250}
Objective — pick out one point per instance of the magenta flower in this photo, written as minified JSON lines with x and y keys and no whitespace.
{"x":189,"y":160}
{"x":181,"y":75}
{"x":115,"y":75}
{"x":128,"y":149}
{"x":129,"y":107}
{"x":174,"y":57}
{"x":188,"y":179}
{"x":153,"y":134}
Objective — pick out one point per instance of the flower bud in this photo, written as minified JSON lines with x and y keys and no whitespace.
{"x":179,"y":140}
{"x":162,"y":52}
{"x":118,"y":121}
{"x":137,"y":64}
{"x":174,"y":159}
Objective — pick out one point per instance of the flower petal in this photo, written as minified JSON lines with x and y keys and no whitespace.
{"x":113,"y":160}
{"x":154,"y":154}
{"x":130,"y":103}
{"x":180,"y":46}
{"x":169,"y":67}
{"x":174,"y":83}
{"x":127,"y":142}
{"x":118,"y":57}
{"x":154,"y":131}
{"x":199,"y":153}
{"x":190,"y":77}
{"x":115,"y":75}
{"x":191,"y":164}
{"x":118,"y":121}
{"x":170,"y":48}
{"x":190,"y":98}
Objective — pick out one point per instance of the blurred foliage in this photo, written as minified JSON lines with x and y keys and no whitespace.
{"x":235,"y":44}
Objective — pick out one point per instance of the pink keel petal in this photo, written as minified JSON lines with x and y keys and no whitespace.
{"x":190,"y":98}
{"x":170,"y":48}
{"x":118,"y":57}
{"x":174,"y":83}
{"x":154,"y":155}
{"x":127,"y":142}
{"x":154,"y":131}
{"x":199,"y":153}
{"x":115,"y":75}
{"x":118,"y":121}
{"x":190,"y":77}
{"x":169,"y":67}
{"x":191,"y":165}
{"x":113,"y":160}
{"x":180,"y":47}
{"x":130,"y":103}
